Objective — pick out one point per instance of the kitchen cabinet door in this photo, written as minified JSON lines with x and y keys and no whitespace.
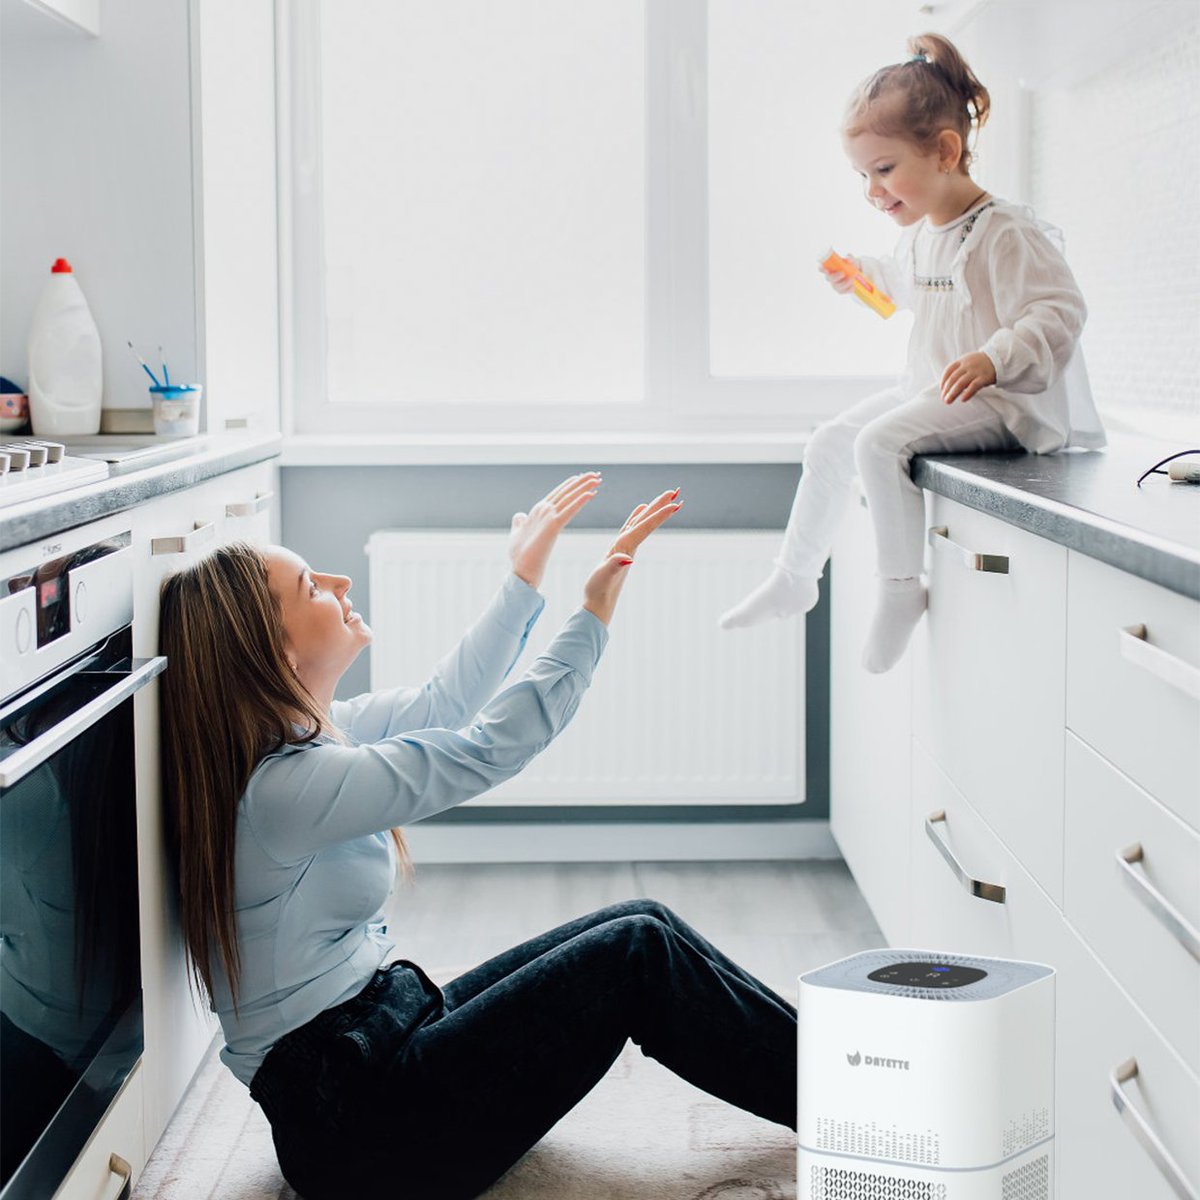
{"x":169,"y":532}
{"x":989,"y":668}
{"x":869,"y":738}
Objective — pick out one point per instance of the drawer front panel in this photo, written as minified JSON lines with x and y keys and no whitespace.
{"x":946,"y":913}
{"x":1099,"y":1155}
{"x":115,"y":1153}
{"x":1134,"y":702}
{"x":1110,"y":903}
{"x":989,"y":677}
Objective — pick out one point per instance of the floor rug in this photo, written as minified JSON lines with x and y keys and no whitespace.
{"x":641,"y":1134}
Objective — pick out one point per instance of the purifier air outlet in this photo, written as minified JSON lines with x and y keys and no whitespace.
{"x":1030,"y":1182}
{"x":870,"y":1140}
{"x":840,"y":1183}
{"x":1033,"y":1127}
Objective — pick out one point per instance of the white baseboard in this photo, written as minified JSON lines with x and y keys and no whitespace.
{"x":632,"y":842}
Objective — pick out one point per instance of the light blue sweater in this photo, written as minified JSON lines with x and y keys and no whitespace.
{"x":313,"y":858}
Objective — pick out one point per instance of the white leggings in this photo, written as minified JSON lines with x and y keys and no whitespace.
{"x":879,"y":436}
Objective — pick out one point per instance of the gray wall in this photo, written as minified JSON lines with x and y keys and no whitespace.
{"x":329,"y":512}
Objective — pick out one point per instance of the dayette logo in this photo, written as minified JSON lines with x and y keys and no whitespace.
{"x":873,"y":1060}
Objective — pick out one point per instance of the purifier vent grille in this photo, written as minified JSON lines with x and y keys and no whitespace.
{"x":1026,"y":1130}
{"x":837,"y":1183}
{"x":879,"y":1141}
{"x":1030,"y":1182}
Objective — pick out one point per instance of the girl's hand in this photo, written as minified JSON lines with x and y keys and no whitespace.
{"x":605,"y":582}
{"x":534,"y":533}
{"x":966,"y":375}
{"x":838,"y":280}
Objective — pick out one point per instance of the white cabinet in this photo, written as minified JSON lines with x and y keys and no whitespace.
{"x":1133,"y":689}
{"x":869,"y":738}
{"x":989,"y":665}
{"x":116,"y":1151}
{"x":1054,"y":817}
{"x":1099,"y":1152}
{"x":169,"y":533}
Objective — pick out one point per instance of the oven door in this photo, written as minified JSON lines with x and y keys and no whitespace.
{"x":70,"y":975}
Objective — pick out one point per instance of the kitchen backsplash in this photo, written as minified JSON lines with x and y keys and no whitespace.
{"x":1116,"y":163}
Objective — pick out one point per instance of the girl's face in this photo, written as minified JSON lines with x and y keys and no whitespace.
{"x":898,"y":177}
{"x":324,"y":633}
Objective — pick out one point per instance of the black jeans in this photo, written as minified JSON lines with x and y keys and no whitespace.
{"x":407,"y":1092}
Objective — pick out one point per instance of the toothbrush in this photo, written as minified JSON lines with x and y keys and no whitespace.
{"x":143,"y":363}
{"x":166,"y":373}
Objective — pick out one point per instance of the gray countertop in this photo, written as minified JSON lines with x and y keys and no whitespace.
{"x":48,"y":515}
{"x":1088,"y":502}
{"x":1085,"y":501}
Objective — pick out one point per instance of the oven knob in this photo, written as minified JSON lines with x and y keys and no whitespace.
{"x":24,"y":631}
{"x":79,"y":603}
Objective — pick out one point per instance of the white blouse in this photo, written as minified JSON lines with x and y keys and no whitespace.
{"x":995,"y":280}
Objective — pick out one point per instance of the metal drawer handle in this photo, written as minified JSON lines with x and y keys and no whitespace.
{"x":248,"y":508}
{"x":122,"y":1172}
{"x":1150,"y":1141}
{"x":1155,"y":901}
{"x":1137,"y":650}
{"x":996,"y":564}
{"x":985,"y":891}
{"x":18,"y":764}
{"x":203,"y":533}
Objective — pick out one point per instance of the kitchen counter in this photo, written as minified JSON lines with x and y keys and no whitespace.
{"x":48,"y":515}
{"x":1087,"y":502}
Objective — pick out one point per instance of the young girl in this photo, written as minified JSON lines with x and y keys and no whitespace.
{"x":375,"y":1080}
{"x":993,"y":362}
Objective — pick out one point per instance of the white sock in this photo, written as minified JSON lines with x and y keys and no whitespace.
{"x":782,"y":594}
{"x":897,"y":610}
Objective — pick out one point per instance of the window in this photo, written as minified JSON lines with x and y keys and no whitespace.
{"x":524,"y":215}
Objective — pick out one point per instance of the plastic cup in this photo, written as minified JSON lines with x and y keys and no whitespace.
{"x":177,"y":409}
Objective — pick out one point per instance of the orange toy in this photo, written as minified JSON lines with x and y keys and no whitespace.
{"x":864,"y":289}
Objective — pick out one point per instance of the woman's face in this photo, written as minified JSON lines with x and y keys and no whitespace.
{"x":324,"y":633}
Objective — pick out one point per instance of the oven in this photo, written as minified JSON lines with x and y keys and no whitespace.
{"x":70,"y":975}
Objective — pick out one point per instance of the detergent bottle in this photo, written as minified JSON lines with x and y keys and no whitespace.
{"x":65,"y":367}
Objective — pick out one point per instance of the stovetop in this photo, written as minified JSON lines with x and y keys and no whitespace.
{"x":33,"y":467}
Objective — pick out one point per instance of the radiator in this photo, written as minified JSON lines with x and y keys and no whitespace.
{"x":679,"y":712}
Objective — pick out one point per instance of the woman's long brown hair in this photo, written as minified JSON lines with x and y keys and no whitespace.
{"x":229,"y":696}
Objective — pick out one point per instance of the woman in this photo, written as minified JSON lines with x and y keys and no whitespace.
{"x":283,"y":799}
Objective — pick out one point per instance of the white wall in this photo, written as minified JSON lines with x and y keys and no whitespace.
{"x":1116,"y":164}
{"x":97,"y":167}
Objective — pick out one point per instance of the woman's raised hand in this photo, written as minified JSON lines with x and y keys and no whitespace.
{"x":534,"y":533}
{"x":605,"y":582}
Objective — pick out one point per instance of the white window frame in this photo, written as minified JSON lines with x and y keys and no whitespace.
{"x":680,"y":395}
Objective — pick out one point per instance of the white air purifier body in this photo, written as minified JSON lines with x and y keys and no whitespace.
{"x":926,"y":1076}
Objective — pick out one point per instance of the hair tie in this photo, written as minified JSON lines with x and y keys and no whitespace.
{"x":920,"y":56}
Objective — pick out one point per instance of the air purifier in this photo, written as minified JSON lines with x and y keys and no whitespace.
{"x":926,"y":1076}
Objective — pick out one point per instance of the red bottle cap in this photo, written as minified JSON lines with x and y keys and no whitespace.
{"x":61,"y":267}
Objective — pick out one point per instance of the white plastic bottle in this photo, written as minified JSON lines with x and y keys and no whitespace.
{"x":65,"y":367}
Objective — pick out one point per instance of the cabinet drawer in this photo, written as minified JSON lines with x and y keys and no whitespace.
{"x":1099,"y":1154}
{"x":945,"y":914}
{"x":989,"y":670}
{"x":1142,"y":939}
{"x":1133,"y":673}
{"x":1133,"y":670}
{"x":248,"y":500}
{"x":115,"y":1153}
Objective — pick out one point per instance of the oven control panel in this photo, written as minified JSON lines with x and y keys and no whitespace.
{"x":61,"y":596}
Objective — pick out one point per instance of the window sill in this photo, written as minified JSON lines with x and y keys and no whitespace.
{"x":499,"y":449}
